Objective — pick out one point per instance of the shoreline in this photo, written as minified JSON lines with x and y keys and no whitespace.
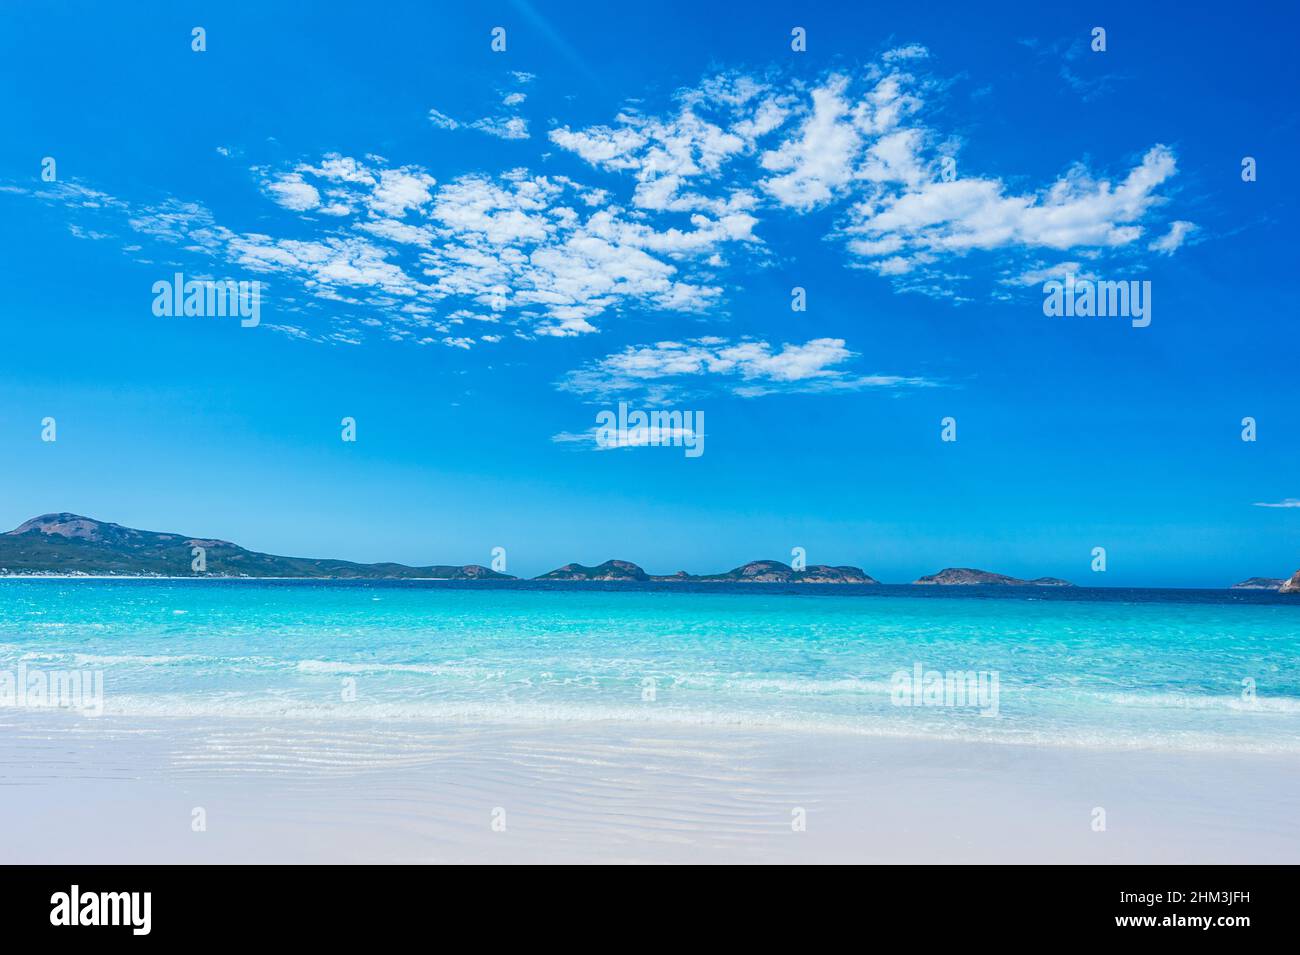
{"x":489,"y":717}
{"x":391,"y":792}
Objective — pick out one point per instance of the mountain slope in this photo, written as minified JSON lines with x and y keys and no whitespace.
{"x":72,"y":544}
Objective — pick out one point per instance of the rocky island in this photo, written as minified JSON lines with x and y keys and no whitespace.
{"x":966,"y":577}
{"x":775,"y":572}
{"x":758,"y":571}
{"x":609,"y":570}
{"x":1292,"y":586}
{"x":1259,"y":583}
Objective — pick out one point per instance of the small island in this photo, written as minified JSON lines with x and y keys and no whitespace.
{"x":757,"y":571}
{"x":609,"y":570}
{"x":775,"y":572}
{"x":968,"y":577}
{"x":1259,"y":583}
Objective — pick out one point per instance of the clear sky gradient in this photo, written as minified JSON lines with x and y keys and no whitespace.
{"x":472,"y":253}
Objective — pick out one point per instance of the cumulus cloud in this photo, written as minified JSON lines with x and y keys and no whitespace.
{"x":400,"y":190}
{"x":817,"y":162}
{"x":922,"y":222}
{"x":291,"y":192}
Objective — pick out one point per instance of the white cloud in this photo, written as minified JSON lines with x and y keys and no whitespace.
{"x":856,"y":141}
{"x":396,"y":231}
{"x":342,"y":169}
{"x":1038,"y":274}
{"x":1285,"y":502}
{"x":293,"y":193}
{"x":515,"y":242}
{"x":647,"y":436}
{"x":602,"y":145}
{"x":514,"y":245}
{"x":673,"y":157}
{"x":690,"y":188}
{"x":847,"y":137}
{"x":913,"y":51}
{"x":818,"y":162}
{"x":753,"y":368}
{"x":401,"y":189}
{"x":955,"y":217}
{"x":73,"y":195}
{"x":442,"y":120}
{"x":175,"y":221}
{"x":502,"y":127}
{"x":1172,"y":240}
{"x":332,"y":262}
{"x":293,"y":331}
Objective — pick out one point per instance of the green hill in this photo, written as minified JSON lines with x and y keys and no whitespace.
{"x":72,"y":544}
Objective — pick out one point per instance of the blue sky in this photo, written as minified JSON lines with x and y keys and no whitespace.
{"x":472,"y":253}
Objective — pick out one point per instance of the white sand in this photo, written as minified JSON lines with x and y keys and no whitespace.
{"x":78,"y":790}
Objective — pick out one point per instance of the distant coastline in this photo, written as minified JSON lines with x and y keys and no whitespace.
{"x":68,"y":546}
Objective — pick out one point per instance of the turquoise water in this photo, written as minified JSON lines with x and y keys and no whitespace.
{"x":1092,"y":668}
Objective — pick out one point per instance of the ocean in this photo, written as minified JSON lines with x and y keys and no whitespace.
{"x":1188,"y":670}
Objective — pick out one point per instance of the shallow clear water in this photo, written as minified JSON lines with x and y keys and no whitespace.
{"x":1079,"y":667}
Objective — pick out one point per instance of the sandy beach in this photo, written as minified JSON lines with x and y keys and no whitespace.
{"x":124,"y":790}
